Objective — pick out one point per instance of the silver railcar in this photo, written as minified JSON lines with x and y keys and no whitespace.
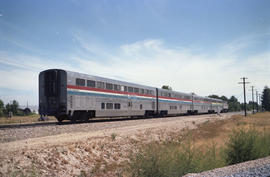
{"x":76,"y":96}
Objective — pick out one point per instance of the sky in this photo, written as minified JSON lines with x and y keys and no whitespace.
{"x":200,"y":46}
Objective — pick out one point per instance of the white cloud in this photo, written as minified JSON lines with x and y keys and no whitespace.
{"x":151,"y":63}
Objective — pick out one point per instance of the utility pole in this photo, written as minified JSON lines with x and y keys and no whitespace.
{"x":257,"y":101}
{"x":252,"y":87}
{"x":244,"y":86}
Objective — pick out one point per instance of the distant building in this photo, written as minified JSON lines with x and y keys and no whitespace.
{"x":29,"y":109}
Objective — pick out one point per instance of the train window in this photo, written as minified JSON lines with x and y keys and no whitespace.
{"x":102,"y":105}
{"x":117,"y":106}
{"x":109,"y":106}
{"x":91,"y":83}
{"x":173,"y":107}
{"x":109,"y":86}
{"x":136,"y":90}
{"x":169,"y":95}
{"x":100,"y":85}
{"x":140,"y":106}
{"x":187,"y":97}
{"x":116,"y":87}
{"x":151,"y":92}
{"x":148,"y":92}
{"x":80,"y":82}
{"x":142,"y":91}
{"x":130,"y":89}
{"x":125,"y":88}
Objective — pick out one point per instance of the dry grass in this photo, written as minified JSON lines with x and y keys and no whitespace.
{"x":218,"y":131}
{"x":211,"y":145}
{"x":22,"y":119}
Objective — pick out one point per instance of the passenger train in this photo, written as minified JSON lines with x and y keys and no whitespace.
{"x":75,"y":96}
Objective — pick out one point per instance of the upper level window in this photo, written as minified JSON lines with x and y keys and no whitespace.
{"x":186,"y":97}
{"x":100,"y":85}
{"x":80,"y":82}
{"x":130,"y":89}
{"x":136,"y":90}
{"x":142,"y":91}
{"x":116,"y":87}
{"x":109,"y":86}
{"x":91,"y":83}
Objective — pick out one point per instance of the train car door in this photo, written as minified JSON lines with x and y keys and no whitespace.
{"x":129,"y":105}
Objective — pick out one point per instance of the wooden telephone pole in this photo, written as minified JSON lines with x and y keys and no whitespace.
{"x":244,"y":86}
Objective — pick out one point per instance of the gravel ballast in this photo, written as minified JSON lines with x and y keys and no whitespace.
{"x":14,"y":134}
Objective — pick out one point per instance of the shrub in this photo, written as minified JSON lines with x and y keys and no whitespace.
{"x":172,"y":159}
{"x":113,"y":136}
{"x":1,"y":113}
{"x":244,"y":145}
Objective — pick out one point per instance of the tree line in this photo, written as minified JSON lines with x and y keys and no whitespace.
{"x":235,"y":105}
{"x":11,"y":108}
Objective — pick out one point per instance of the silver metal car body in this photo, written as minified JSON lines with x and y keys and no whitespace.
{"x":72,"y":95}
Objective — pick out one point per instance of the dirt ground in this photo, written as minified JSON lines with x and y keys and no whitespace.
{"x":90,"y":153}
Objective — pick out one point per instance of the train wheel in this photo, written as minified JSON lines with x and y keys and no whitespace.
{"x":74,"y":119}
{"x":84,"y":116}
{"x":60,"y":119}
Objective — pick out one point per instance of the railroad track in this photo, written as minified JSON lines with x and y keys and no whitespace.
{"x":95,"y":120}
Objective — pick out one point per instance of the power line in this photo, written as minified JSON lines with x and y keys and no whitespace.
{"x":244,"y":86}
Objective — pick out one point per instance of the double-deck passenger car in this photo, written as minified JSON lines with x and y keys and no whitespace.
{"x":76,"y":96}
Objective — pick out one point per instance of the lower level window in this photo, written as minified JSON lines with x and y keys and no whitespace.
{"x":117,"y":106}
{"x":173,"y":107}
{"x":102,"y":105}
{"x":109,"y":106}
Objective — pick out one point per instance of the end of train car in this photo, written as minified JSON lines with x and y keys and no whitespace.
{"x":53,"y":93}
